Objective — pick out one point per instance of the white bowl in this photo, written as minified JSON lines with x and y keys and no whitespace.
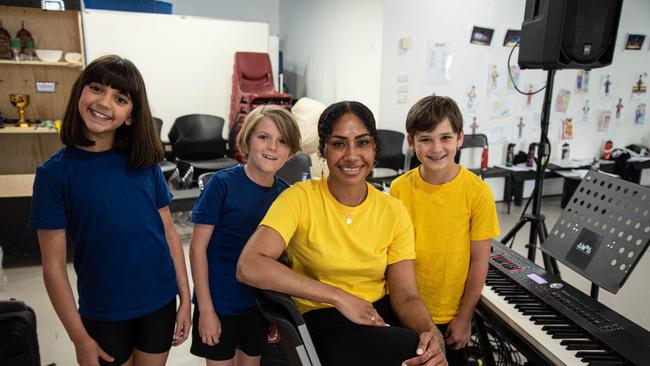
{"x":49,"y":55}
{"x":73,"y":57}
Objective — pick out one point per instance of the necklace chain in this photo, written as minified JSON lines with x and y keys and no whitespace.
{"x":348,"y":218}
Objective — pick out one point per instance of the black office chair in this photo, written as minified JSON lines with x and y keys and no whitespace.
{"x":197,"y":143}
{"x":294,"y":168}
{"x":391,"y":160}
{"x":477,"y":140}
{"x":204,"y":179}
{"x":168,"y":168}
{"x":278,"y":308}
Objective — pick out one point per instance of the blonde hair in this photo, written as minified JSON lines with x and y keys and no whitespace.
{"x":283,"y":120}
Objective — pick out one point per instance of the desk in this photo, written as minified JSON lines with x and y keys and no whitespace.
{"x":630,"y":170}
{"x":22,"y":149}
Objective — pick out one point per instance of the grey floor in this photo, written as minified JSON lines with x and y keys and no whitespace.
{"x":25,"y":283}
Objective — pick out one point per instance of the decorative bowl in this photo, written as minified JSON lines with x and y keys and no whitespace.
{"x":49,"y":55}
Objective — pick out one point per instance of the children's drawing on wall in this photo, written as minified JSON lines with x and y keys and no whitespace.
{"x":604,"y":118}
{"x":499,"y":107}
{"x":530,"y":99}
{"x":640,"y":86}
{"x":639,"y":114}
{"x":562,"y":100}
{"x":606,"y":86}
{"x":618,"y":109}
{"x":585,"y":111}
{"x":471,"y":99}
{"x":519,"y":127}
{"x":499,"y":134}
{"x":567,"y":129}
{"x":473,"y":126}
{"x":494,"y":82}
{"x":582,"y":81}
{"x":515,"y":73}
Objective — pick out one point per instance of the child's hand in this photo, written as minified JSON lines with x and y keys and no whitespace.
{"x":458,"y":333}
{"x":183,"y":323}
{"x":89,"y":353}
{"x":209,"y":328}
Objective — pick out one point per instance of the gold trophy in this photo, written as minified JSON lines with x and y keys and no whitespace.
{"x":20,"y":101}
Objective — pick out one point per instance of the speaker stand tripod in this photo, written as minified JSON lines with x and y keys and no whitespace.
{"x":538,"y":230}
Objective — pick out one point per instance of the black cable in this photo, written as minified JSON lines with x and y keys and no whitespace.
{"x":513,"y":81}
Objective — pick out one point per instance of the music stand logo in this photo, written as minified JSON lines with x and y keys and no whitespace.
{"x":584,"y":248}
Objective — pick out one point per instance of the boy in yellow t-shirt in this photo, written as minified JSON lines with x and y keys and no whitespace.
{"x":454,"y":216}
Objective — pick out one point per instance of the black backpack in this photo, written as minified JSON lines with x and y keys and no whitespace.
{"x":18,"y":339}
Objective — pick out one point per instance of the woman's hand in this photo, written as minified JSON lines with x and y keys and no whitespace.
{"x":209,"y":328}
{"x":183,"y":323}
{"x":458,"y":333}
{"x":430,"y":351}
{"x":358,"y":311}
{"x":89,"y":352}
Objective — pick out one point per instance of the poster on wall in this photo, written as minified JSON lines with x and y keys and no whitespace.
{"x":639,"y":114}
{"x":495,"y":79}
{"x":634,"y":42}
{"x":606,"y":86}
{"x":585,"y":111}
{"x":604,"y":118}
{"x":439,"y":59}
{"x":530,"y":100}
{"x":582,"y":81}
{"x":618,"y":109}
{"x":640,"y":85}
{"x":481,"y":36}
{"x":567,"y":129}
{"x":513,"y":76}
{"x":513,"y":36}
{"x":471,"y":99}
{"x":562,"y":100}
{"x":499,"y":107}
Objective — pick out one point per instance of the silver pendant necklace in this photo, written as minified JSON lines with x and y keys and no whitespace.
{"x":348,"y":218}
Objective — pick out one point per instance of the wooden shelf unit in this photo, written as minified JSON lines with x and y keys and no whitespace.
{"x":52,"y":30}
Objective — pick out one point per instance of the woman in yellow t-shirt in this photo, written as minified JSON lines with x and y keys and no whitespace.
{"x":348,"y":245}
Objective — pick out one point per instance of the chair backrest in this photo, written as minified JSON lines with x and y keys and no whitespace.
{"x":198,"y":137}
{"x":204,"y":179}
{"x":157,"y":123}
{"x":391,"y":150}
{"x":293,"y":169}
{"x":472,"y":141}
{"x":280,"y":309}
{"x":253,"y":72}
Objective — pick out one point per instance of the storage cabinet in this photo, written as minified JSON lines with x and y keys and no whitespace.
{"x":53,"y":30}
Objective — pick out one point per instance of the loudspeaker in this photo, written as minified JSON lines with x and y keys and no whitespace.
{"x":569,"y":34}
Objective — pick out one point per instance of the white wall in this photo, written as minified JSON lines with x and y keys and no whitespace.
{"x":446,"y":21}
{"x":332,"y":49}
{"x":186,"y":62}
{"x":249,"y":10}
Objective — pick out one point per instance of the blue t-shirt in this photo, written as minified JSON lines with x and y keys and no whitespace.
{"x":121,"y":256}
{"x":235,"y":205}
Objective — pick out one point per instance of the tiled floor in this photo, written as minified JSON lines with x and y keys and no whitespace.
{"x":25,"y":283}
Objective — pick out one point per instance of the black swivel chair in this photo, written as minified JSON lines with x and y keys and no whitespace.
{"x":198,"y":145}
{"x":477,"y":140}
{"x":391,"y":160}
{"x":294,"y":168}
{"x":168,"y":168}
{"x":278,"y":308}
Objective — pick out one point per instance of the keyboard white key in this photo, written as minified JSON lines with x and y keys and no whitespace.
{"x":529,"y":331}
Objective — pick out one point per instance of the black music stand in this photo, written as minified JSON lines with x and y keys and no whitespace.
{"x":538,"y":230}
{"x":604,"y":231}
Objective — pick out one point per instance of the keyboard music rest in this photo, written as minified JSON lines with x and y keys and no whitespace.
{"x":557,"y":318}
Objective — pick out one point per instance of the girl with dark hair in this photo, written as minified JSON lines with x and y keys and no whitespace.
{"x":105,"y":191}
{"x":348,"y":246}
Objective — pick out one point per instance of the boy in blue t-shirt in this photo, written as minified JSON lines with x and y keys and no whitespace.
{"x":227,"y":323}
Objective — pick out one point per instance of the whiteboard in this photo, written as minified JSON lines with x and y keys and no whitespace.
{"x":186,"y":62}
